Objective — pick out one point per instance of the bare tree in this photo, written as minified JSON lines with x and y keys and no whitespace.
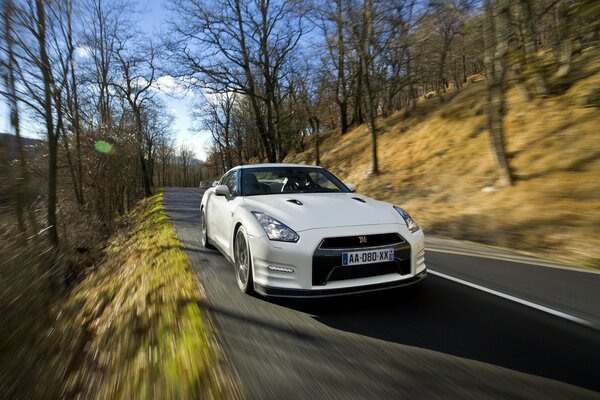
{"x":242,"y":47}
{"x":73,"y":113}
{"x":37,"y":14}
{"x":157,"y":128}
{"x":136,"y":74}
{"x":336,"y":42}
{"x":314,"y":124}
{"x":496,"y":46}
{"x":217,"y":116}
{"x":165,"y":155}
{"x":186,"y":157}
{"x":9,"y":66}
{"x":364,"y":21}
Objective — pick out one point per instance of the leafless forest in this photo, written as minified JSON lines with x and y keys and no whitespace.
{"x":271,"y":75}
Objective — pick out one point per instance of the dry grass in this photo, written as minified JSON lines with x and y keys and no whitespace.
{"x":34,"y":280}
{"x":25,"y":297}
{"x":436,"y":161}
{"x":145,"y":333}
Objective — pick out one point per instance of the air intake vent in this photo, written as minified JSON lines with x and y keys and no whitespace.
{"x":359,"y":199}
{"x":364,"y":271}
{"x":297,"y":202}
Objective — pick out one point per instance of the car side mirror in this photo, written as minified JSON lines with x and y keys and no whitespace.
{"x":215,"y":183}
{"x":222,"y":190}
{"x":351,"y":186}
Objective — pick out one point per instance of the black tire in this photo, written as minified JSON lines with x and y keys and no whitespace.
{"x":204,"y":231}
{"x":243,"y":261}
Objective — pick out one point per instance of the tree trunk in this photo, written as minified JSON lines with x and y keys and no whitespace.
{"x":150,"y":159}
{"x":565,"y":57}
{"x":496,"y":45}
{"x":343,"y":117}
{"x":263,"y":131}
{"x":441,"y":74}
{"x":412,"y":91}
{"x":23,"y":179}
{"x":464,"y":61}
{"x":228,"y":155}
{"x":314,"y":124}
{"x":373,"y":130}
{"x":48,"y":117}
{"x":358,"y":117}
{"x":342,"y":91}
{"x":530,"y":46}
{"x":143,"y":164}
{"x":71,"y":167}
{"x":75,"y":107}
{"x":369,"y":96}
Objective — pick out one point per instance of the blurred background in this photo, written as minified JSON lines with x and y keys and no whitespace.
{"x":480,"y":118}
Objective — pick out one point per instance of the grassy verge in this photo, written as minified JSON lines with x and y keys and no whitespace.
{"x":134,"y":328}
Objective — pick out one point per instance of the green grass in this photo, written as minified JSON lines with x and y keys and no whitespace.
{"x":135,"y":326}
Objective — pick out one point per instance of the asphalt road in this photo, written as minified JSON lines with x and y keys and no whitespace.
{"x":439,"y":339}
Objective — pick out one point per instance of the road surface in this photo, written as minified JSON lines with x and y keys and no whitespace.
{"x":439,"y":339}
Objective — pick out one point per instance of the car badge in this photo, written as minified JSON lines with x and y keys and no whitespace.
{"x":362,"y":239}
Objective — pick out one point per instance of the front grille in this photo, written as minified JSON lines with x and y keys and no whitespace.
{"x":368,"y":270}
{"x":351,"y":242}
{"x":327,"y":265}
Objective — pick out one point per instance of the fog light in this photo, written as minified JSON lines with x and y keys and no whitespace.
{"x":280,"y":269}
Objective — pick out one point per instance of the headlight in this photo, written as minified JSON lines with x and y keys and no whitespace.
{"x":410,"y":223}
{"x":274,"y":229}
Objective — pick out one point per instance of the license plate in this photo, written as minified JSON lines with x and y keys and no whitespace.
{"x":367,"y":257}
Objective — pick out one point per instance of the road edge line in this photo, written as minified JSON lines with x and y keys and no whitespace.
{"x":527,"y":303}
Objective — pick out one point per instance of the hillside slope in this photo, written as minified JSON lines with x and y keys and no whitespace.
{"x":437,"y":163}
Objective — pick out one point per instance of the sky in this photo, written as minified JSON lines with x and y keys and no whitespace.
{"x":4,"y":123}
{"x":152,"y":20}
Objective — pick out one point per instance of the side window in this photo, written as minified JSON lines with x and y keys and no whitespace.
{"x":322,"y":181}
{"x":224,"y":178}
{"x":231,"y":181}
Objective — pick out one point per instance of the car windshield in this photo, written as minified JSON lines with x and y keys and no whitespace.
{"x":276,"y":180}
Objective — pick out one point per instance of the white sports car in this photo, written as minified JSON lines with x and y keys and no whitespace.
{"x":298,"y":231}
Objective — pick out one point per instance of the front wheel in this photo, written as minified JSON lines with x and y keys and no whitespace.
{"x":204,"y":231}
{"x":243,"y":261}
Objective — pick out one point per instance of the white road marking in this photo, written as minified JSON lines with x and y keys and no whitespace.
{"x":545,"y":309}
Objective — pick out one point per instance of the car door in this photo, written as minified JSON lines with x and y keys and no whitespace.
{"x":223,"y":210}
{"x":211,"y":210}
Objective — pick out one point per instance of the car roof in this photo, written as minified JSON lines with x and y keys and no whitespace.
{"x":275,"y":165}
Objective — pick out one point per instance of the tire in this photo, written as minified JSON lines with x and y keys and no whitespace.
{"x":204,"y":231}
{"x":243,"y":261}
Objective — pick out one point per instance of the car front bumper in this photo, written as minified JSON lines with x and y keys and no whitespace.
{"x":304,"y":293}
{"x":286,"y":269}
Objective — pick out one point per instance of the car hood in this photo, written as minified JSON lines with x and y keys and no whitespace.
{"x":323,"y":210}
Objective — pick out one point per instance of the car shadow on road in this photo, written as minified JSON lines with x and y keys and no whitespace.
{"x":441,"y":316}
